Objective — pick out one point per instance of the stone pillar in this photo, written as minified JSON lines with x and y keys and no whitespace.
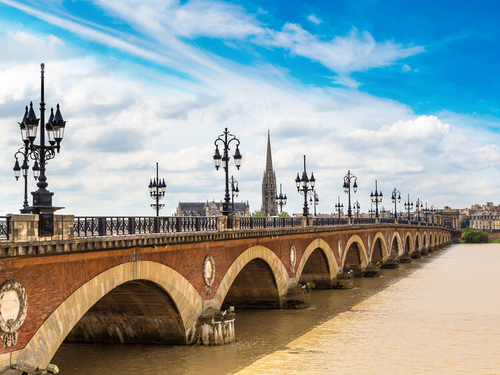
{"x":24,"y":228}
{"x":306,"y":222}
{"x":222,"y":223}
{"x":236,"y":222}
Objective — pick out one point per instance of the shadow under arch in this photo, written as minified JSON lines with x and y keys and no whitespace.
{"x":396,"y":245}
{"x":379,"y":249}
{"x":408,"y":247}
{"x":259,"y":255}
{"x":418,"y":241}
{"x":318,"y":265}
{"x":354,"y":256}
{"x":45,"y":342}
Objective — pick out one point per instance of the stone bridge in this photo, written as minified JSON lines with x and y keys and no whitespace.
{"x":174,"y":288}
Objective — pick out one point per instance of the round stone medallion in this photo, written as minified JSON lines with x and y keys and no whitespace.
{"x":208,"y":272}
{"x":13,"y":309}
{"x":293,"y":257}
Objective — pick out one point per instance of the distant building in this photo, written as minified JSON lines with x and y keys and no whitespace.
{"x":269,"y":188}
{"x":210,"y":209}
{"x":485,"y":220}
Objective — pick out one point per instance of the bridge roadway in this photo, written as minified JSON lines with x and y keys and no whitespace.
{"x":172,"y":287}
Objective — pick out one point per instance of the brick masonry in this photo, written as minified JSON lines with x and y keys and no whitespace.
{"x":62,"y":286}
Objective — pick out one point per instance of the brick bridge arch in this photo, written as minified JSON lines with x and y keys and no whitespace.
{"x":45,"y":342}
{"x":396,"y":244}
{"x":418,"y":242}
{"x":379,"y":255}
{"x":323,"y":254}
{"x":355,"y":243}
{"x":408,"y":246}
{"x":277,"y":268}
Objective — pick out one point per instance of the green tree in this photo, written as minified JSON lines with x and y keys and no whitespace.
{"x":284,"y":214}
{"x":259,"y":213}
{"x":465,"y":223}
{"x":474,"y":236}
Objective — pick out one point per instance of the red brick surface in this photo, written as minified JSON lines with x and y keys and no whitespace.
{"x":50,"y":279}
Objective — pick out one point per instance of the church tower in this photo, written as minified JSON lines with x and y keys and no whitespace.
{"x":269,"y":189}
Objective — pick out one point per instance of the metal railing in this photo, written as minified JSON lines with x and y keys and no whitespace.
{"x":4,"y":227}
{"x":111,"y":226}
{"x":322,"y":221}
{"x":387,"y":220}
{"x":269,"y":222}
{"x":114,"y":225}
{"x":364,"y":220}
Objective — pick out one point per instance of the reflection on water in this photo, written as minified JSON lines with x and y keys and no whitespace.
{"x":443,"y":318}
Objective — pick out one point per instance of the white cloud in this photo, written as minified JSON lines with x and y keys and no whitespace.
{"x":358,"y":51}
{"x":314,"y":19}
{"x":120,"y":124}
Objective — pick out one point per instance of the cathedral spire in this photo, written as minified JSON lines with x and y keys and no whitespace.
{"x":269,"y":205}
{"x":269,"y":160}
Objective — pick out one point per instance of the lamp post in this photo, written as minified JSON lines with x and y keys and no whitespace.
{"x":24,"y":151}
{"x":281,"y":200}
{"x":339,"y":207}
{"x":41,"y":154}
{"x":314,"y":199}
{"x":304,"y":186}
{"x":234,"y":191}
{"x":349,"y":179}
{"x":371,"y":210}
{"x":408,"y":206}
{"x":356,"y":207}
{"x":418,"y":205}
{"x":396,"y":195}
{"x":376,"y":198}
{"x":432,"y":209}
{"x":157,"y":192}
{"x":223,"y":138}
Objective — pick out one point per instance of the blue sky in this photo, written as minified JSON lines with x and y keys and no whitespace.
{"x":399,"y":92}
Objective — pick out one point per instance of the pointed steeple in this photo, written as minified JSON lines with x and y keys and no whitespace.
{"x":269,"y":160}
{"x":269,"y":205}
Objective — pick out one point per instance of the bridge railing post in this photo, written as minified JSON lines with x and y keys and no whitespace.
{"x":25,"y":228}
{"x":131,"y":225}
{"x":236,"y":223}
{"x":222,"y":223}
{"x":101,"y":224}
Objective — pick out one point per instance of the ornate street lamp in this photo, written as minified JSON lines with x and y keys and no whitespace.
{"x":281,"y":200}
{"x":349,"y":179}
{"x":157,"y":189}
{"x":304,"y":186}
{"x":339,"y":207}
{"x":24,"y":151}
{"x":432,"y":209}
{"x":371,"y":210}
{"x":356,"y":207}
{"x":224,"y":159}
{"x":408,"y":206}
{"x":418,"y":206}
{"x":376,"y":198}
{"x":234,"y":191}
{"x":41,"y":154}
{"x":396,"y":195}
{"x":314,"y":199}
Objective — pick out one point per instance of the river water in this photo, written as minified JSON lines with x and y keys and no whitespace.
{"x":437,"y":315}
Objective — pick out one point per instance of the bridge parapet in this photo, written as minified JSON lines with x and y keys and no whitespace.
{"x":107,"y":233}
